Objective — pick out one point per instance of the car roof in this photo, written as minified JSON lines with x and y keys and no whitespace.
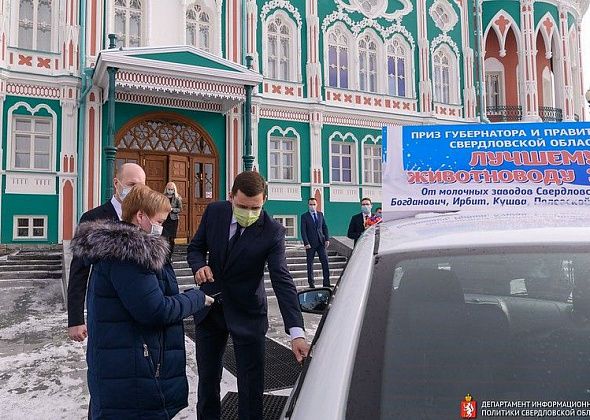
{"x":466,"y":229}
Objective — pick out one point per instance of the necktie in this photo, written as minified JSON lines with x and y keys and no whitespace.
{"x":315,"y":219}
{"x":234,"y":239}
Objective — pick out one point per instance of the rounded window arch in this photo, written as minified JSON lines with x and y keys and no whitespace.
{"x":369,"y":49}
{"x":338,"y":61}
{"x":444,"y":78}
{"x":165,"y":132}
{"x":281,"y":52}
{"x":399,"y":67}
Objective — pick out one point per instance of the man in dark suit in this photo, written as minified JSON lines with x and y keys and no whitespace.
{"x":358,"y":222}
{"x":126,"y":177}
{"x":240,"y":238}
{"x":314,"y":233}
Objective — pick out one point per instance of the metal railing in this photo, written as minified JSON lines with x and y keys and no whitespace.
{"x":549,"y":114}
{"x":504,"y":113}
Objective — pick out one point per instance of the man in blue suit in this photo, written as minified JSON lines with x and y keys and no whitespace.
{"x":314,"y":233}
{"x":240,"y":238}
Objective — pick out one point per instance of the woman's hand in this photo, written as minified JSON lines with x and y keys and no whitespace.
{"x":209,"y":300}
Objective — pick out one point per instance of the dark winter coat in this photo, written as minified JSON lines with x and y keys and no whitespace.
{"x":136,"y":356}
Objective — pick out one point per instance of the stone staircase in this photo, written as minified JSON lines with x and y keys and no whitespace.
{"x":295,"y":261}
{"x":30,"y":267}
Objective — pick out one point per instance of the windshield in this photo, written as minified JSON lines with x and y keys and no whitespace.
{"x":501,"y":327}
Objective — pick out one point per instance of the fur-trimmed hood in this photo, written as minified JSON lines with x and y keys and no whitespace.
{"x":106,"y":240}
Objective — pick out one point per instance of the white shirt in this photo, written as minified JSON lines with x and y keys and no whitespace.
{"x":294,"y":332}
{"x":117,"y":205}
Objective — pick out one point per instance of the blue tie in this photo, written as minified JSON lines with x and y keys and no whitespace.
{"x":315,"y":219}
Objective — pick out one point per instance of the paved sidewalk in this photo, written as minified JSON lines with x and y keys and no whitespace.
{"x":43,"y":373}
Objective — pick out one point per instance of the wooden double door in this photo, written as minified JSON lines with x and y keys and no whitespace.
{"x":195,"y":177}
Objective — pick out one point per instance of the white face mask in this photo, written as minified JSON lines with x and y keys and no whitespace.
{"x":366,"y":209}
{"x":124,"y":192}
{"x":156,"y":230}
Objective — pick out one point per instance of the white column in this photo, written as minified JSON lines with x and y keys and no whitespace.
{"x":425,"y":85}
{"x":313,"y":68}
{"x":531,"y":96}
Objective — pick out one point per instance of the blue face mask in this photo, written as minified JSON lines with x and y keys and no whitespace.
{"x":156,"y":230}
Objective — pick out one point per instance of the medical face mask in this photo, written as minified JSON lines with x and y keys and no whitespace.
{"x":156,"y":230}
{"x":124,"y":192}
{"x":246,"y":217}
{"x":366,"y":209}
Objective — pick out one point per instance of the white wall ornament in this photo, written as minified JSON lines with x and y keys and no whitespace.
{"x":444,"y":16}
{"x":444,"y":39}
{"x":374,"y":9}
{"x":280,"y":4}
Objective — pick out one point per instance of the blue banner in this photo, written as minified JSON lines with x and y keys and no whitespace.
{"x":450,"y":167}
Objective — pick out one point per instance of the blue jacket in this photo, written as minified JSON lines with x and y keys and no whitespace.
{"x":136,"y":356}
{"x":311,"y":234}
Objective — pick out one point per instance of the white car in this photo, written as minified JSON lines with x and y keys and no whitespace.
{"x":435,"y":307}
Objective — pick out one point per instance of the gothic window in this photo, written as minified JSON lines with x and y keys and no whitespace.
{"x":445,"y":76}
{"x":399,"y":68}
{"x":338,"y":59}
{"x":367,"y":64}
{"x":283,"y":159}
{"x":372,"y":163}
{"x":34,"y":24}
{"x":129,"y":22}
{"x":32,"y":142}
{"x":280,"y":59}
{"x":198,"y":27}
{"x":342,"y":155}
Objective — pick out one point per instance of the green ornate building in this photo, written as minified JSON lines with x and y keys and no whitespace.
{"x":326,"y":76}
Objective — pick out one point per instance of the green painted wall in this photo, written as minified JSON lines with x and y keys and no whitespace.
{"x":265,"y":125}
{"x":490,"y":8}
{"x":24,"y":204}
{"x":541,"y":8}
{"x":213,"y":123}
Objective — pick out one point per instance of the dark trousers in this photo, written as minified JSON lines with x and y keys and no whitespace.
{"x":310,"y":253}
{"x":211,"y":339}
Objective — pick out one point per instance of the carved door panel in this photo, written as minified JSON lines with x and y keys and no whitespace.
{"x":178,"y":172}
{"x":156,"y":171}
{"x":125,"y":156}
{"x":204,"y":187}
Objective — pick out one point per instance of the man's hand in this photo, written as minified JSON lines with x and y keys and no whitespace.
{"x":300,"y":348}
{"x":78,"y":333}
{"x":327,"y":244}
{"x":203,"y":275}
{"x":209,"y":300}
{"x":307,"y":246}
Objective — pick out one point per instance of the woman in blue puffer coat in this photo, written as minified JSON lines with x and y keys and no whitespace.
{"x":136,"y":356}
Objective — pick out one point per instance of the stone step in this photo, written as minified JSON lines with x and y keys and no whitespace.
{"x":30,"y":267}
{"x":36,"y":275}
{"x":35,"y":257}
{"x":181,"y":263}
{"x":296,"y":270}
{"x":26,"y":283}
{"x":29,"y":263}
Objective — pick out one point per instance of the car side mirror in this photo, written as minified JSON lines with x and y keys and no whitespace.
{"x":314,"y":301}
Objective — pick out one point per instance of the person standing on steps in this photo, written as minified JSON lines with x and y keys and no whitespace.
{"x":314,"y":233}
{"x":127,"y":176}
{"x":171,"y":223}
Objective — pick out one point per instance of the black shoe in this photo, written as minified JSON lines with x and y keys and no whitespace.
{"x":312,"y":286}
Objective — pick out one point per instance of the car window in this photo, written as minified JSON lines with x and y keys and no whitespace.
{"x":504,"y":326}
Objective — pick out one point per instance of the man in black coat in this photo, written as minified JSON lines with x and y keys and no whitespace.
{"x":240,"y":238}
{"x":126,"y":177}
{"x":314,"y":233}
{"x":358,"y":222}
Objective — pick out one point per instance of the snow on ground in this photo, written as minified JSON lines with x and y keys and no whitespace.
{"x":43,"y":372}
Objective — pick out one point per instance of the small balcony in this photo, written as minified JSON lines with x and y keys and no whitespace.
{"x":549,"y":114}
{"x":504,"y":113}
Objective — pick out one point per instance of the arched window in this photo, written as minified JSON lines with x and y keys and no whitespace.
{"x":279,"y":59}
{"x":399,"y":68}
{"x":445,"y":76}
{"x":338,"y":59}
{"x":367,"y":64}
{"x":34,"y":24}
{"x":128,"y":22}
{"x":198,"y":27}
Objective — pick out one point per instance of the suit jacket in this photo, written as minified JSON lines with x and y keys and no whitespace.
{"x":310,"y":233}
{"x":356,"y":226}
{"x":79,"y":269}
{"x":239,"y":275}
